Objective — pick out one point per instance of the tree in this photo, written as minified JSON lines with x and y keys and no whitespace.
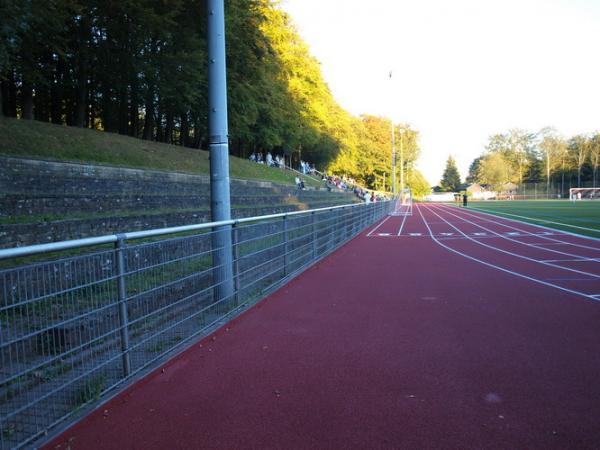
{"x":472,"y":177}
{"x":451,"y":178}
{"x":579,"y":147}
{"x":553,"y":147}
{"x":417,"y":184}
{"x":494,"y":170}
{"x":595,"y":156}
{"x":139,"y":67}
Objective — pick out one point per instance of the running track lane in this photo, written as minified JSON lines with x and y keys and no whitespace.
{"x":390,"y":342}
{"x":523,"y":255}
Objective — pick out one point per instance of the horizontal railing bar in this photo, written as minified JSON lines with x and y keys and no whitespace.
{"x":112,"y":238}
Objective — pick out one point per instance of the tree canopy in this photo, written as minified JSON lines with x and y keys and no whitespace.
{"x":138,"y":68}
{"x":520,"y":156}
{"x":451,"y":177}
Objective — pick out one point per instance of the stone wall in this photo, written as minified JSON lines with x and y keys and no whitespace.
{"x":48,"y":201}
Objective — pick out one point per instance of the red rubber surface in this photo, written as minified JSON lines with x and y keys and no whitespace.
{"x":390,"y":342}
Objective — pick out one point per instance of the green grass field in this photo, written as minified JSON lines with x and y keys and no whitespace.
{"x":30,"y":138}
{"x":581,"y":217}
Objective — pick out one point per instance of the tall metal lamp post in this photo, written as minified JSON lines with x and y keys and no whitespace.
{"x":218,"y":144}
{"x":393,"y":180}
{"x":402,"y":130}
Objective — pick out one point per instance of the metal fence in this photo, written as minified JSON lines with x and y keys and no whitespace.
{"x":105,"y":309}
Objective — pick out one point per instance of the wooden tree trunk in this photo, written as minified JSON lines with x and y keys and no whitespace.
{"x":184,"y":136}
{"x":11,"y":101}
{"x":2,"y":107}
{"x":169,"y":128}
{"x":149,"y":115}
{"x":133,"y":110}
{"x":123,"y":111}
{"x":81,"y":96}
{"x":56,"y":95}
{"x":27,"y":101}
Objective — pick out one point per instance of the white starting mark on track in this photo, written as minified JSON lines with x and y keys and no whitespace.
{"x":384,"y":234}
{"x":447,"y":234}
{"x":479,"y":234}
{"x":415,"y":234}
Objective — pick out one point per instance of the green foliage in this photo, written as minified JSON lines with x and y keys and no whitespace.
{"x":527,"y":157}
{"x":451,"y":177}
{"x":494,"y":170}
{"x":417,"y":184}
{"x":559,"y":214}
{"x":42,"y":140}
{"x":138,"y":68}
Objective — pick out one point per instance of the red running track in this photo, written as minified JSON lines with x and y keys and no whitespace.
{"x":390,"y":342}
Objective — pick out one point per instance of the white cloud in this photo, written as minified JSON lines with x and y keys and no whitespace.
{"x":463,"y":69}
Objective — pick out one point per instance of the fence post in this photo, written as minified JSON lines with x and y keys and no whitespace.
{"x":314,"y":235}
{"x":285,"y":246}
{"x":236,"y":265}
{"x":123,"y":316}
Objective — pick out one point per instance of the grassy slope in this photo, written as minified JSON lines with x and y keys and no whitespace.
{"x":585,"y":214}
{"x":43,"y":140}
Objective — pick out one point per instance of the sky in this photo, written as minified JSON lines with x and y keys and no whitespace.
{"x":462,"y":70}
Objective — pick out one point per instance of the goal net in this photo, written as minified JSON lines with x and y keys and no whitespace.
{"x":404,"y":204}
{"x":584,"y":194}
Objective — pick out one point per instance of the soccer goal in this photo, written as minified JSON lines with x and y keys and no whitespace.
{"x":404,"y":204}
{"x":584,"y":194}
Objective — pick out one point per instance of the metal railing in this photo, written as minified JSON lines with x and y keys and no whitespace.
{"x":95,"y":312}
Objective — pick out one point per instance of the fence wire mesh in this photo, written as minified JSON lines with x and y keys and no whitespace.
{"x":74,"y":327}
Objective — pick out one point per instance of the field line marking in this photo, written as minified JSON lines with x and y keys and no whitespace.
{"x":571,"y":260}
{"x":535,"y":280}
{"x":401,"y":226}
{"x":490,"y":212}
{"x":515,"y":254}
{"x":574,"y":255}
{"x":473,"y":213}
{"x":382,"y":222}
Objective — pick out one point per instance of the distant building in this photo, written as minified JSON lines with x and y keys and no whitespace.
{"x":479,"y":191}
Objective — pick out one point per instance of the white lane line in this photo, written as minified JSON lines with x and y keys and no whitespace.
{"x":571,"y":260}
{"x":384,"y":221}
{"x":510,"y":239}
{"x":516,"y":254}
{"x":535,"y":280}
{"x":547,"y":221}
{"x":551,"y":231}
{"x":569,"y":279}
{"x":401,"y":226}
{"x":384,"y":234}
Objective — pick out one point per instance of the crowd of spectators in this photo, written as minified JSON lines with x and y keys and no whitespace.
{"x":306,"y":168}
{"x":348,"y":184}
{"x":342,"y":183}
{"x":269,"y":160}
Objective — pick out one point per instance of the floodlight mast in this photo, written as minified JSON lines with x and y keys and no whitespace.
{"x":218,"y":145}
{"x":394,"y":187}
{"x":401,"y":160}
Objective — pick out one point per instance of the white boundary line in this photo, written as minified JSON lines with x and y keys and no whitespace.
{"x":535,"y":280}
{"x":472,"y":213}
{"x":572,"y":260}
{"x":545,"y":221}
{"x":485,"y":211}
{"x":448,"y":211}
{"x":401,"y":226}
{"x":382,"y":222}
{"x":515,"y":254}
